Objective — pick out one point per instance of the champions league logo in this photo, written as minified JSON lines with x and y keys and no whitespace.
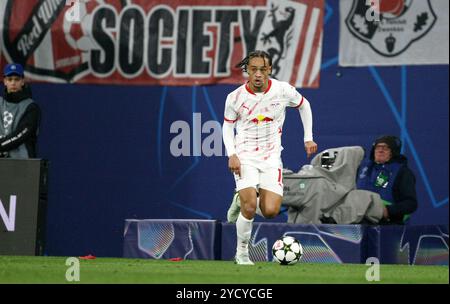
{"x":7,"y":119}
{"x":390,"y":27}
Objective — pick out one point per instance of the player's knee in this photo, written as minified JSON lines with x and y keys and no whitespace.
{"x":271,"y":212}
{"x":248,"y":201}
{"x":248,"y":209}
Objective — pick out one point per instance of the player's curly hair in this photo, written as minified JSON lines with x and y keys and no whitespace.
{"x":244,"y":63}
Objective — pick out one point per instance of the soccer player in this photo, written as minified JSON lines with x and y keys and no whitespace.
{"x":257,"y":110}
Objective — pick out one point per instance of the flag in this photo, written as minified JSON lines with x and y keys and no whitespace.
{"x":393,"y":32}
{"x":178,"y":42}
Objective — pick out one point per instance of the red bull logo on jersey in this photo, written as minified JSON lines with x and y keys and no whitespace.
{"x":261,"y":118}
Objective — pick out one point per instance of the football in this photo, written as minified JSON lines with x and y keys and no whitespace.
{"x":287,"y":250}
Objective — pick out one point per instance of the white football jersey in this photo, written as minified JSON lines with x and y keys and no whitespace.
{"x":259,"y":119}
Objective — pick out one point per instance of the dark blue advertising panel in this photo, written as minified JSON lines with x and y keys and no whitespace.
{"x":413,"y":245}
{"x":23,"y":205}
{"x":321,"y":243}
{"x":177,"y":239}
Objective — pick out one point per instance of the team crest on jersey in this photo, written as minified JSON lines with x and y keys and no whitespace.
{"x":390,"y":27}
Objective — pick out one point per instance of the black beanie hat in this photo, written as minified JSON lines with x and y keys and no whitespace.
{"x":393,"y":142}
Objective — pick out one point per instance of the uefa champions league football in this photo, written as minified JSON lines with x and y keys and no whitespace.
{"x":287,"y":250}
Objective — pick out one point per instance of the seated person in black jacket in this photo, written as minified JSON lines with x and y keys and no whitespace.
{"x":19,"y":116}
{"x":387,"y":173}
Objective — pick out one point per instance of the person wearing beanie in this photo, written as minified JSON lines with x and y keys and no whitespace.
{"x":386,"y":172}
{"x":19,"y":116}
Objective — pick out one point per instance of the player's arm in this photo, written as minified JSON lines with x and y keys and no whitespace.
{"x":234,"y":163}
{"x":230,"y":118}
{"x":298,"y":101}
{"x":304,"y":109}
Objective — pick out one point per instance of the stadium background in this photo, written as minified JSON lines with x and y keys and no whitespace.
{"x":109,"y":145}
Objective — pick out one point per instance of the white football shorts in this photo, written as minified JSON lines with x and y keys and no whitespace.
{"x":268,"y":178}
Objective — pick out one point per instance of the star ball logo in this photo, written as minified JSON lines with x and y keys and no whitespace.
{"x":390,"y":27}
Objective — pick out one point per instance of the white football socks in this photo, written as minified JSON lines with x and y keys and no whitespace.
{"x":244,"y":232}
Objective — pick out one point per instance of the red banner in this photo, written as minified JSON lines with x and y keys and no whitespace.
{"x":172,"y":43}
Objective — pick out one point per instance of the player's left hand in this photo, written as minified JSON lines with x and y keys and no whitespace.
{"x":310,"y":147}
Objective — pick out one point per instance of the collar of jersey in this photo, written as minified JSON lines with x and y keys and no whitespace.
{"x":253,"y":93}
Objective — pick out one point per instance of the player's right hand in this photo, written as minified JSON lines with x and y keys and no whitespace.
{"x":310,"y":148}
{"x":234,"y":164}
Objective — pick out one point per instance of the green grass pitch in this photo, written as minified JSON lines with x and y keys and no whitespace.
{"x":20,"y":269}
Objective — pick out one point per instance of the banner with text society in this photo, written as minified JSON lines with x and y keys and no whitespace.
{"x":183,"y":42}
